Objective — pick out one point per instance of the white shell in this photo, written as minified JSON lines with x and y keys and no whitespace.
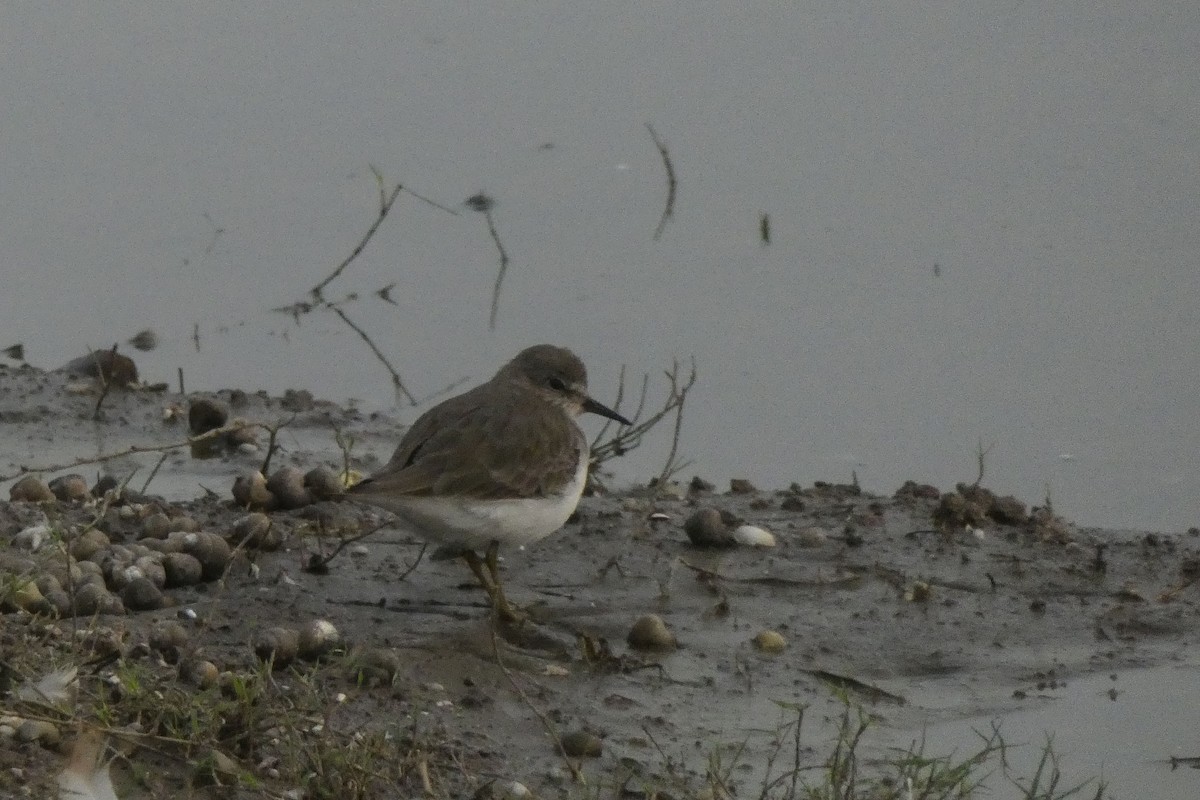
{"x":753,"y":536}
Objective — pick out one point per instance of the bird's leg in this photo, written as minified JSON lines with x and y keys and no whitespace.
{"x":476,"y":565}
{"x":504,"y":609}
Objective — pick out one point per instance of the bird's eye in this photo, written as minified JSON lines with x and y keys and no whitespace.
{"x":557,"y":385}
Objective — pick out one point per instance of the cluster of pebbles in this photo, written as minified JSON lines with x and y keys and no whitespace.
{"x":122,"y":555}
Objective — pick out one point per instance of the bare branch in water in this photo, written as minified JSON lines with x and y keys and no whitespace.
{"x":484,"y":204}
{"x":397,"y":383}
{"x":215,"y":433}
{"x":672,"y":183}
{"x":630,"y":437}
{"x":386,"y":201}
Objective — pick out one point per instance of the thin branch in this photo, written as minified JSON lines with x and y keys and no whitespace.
{"x":105,"y":382}
{"x":272,"y":434}
{"x":396,"y":381}
{"x":631,"y":437}
{"x":670,"y":467}
{"x":133,"y":450}
{"x":484,"y":204}
{"x":669,"y":208}
{"x":385,"y":205}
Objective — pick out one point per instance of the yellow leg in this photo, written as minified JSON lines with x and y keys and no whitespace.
{"x":504,"y":609}
{"x":490,"y":581}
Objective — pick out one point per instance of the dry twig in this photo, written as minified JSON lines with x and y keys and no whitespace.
{"x":669,"y":208}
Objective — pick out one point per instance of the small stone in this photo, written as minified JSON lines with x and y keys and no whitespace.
{"x":278,"y":645}
{"x":811,"y":536}
{"x":86,"y":545}
{"x":581,"y":744}
{"x":698,"y":485}
{"x":32,"y":538}
{"x":206,"y":414}
{"x":287,"y":484}
{"x":243,"y":437}
{"x":753,"y":536}
{"x":710,"y":527}
{"x":919,"y":593}
{"x":199,"y":673}
{"x":250,"y":492}
{"x":181,"y":569}
{"x":651,"y":633}
{"x":741,"y":486}
{"x":317,"y":638}
{"x":323,"y":484}
{"x":35,"y":730}
{"x":105,"y":365}
{"x":71,"y":488}
{"x":156,"y":526}
{"x":91,"y":599}
{"x":142,"y":595}
{"x":152,"y":567}
{"x":298,"y":400}
{"x":210,"y":550}
{"x":1008,"y":511}
{"x":23,"y":594}
{"x":376,"y":665}
{"x":168,"y":636}
{"x":251,"y":530}
{"x":30,"y":490}
{"x":769,"y":641}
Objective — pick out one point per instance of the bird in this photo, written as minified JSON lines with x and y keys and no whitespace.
{"x":503,"y":463}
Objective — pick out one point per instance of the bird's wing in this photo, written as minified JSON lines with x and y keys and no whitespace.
{"x":479,"y":446}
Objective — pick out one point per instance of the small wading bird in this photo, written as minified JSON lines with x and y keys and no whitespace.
{"x":502,"y":464}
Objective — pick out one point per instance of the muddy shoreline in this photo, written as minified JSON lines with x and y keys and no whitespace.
{"x":871,"y":596}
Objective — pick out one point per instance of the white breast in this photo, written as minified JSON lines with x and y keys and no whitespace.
{"x":473,"y":524}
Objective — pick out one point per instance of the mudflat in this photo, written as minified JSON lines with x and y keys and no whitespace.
{"x":842,"y":602}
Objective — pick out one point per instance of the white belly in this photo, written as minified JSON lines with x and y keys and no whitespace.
{"x":473,"y":524}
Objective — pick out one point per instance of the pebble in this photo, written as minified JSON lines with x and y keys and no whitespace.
{"x":71,"y":488}
{"x":86,"y":545}
{"x":142,"y":595}
{"x":250,"y":492}
{"x":741,"y":486}
{"x":244,"y":438}
{"x":710,"y":527}
{"x":181,"y":569}
{"x":25,"y":595}
{"x":279,"y":645}
{"x":753,"y":536}
{"x":769,"y":641}
{"x":199,"y":673}
{"x":32,"y":538}
{"x":811,"y":536}
{"x":36,"y":730}
{"x":581,"y":744}
{"x":323,"y":483}
{"x":210,"y":550}
{"x":168,"y":637}
{"x":206,"y":414}
{"x":252,"y":530}
{"x":287,"y":484}
{"x":317,"y":638}
{"x":651,"y":633}
{"x":377,"y":665}
{"x":91,"y":598}
{"x":156,"y":525}
{"x":30,"y":490}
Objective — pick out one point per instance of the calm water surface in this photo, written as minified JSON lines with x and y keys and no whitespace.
{"x":983,"y":218}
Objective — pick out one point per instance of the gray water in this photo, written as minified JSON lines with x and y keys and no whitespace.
{"x":983,"y":218}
